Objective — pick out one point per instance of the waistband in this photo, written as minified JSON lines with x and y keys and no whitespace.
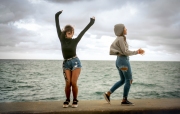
{"x":70,"y":58}
{"x":121,"y":55}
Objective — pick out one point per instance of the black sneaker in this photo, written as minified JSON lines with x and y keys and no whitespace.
{"x":107,"y":98}
{"x":75,"y":104}
{"x":66,"y":103}
{"x":127,"y":103}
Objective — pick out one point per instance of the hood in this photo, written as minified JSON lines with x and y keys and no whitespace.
{"x":118,"y":29}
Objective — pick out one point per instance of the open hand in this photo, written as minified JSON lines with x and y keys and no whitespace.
{"x":141,"y":51}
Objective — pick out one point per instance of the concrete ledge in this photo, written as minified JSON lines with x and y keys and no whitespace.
{"x":142,"y":106}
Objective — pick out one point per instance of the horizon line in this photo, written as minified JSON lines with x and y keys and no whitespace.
{"x":93,"y":60}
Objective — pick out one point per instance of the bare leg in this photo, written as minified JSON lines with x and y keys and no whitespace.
{"x":68,"y":84}
{"x":75,"y":75}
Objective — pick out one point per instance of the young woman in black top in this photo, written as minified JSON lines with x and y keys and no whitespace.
{"x":71,"y":64}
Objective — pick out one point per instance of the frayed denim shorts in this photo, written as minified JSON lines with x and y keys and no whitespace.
{"x":72,"y":64}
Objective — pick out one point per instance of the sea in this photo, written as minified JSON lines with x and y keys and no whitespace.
{"x":43,"y":80}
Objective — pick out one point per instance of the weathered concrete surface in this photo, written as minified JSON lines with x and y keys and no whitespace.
{"x":142,"y":106}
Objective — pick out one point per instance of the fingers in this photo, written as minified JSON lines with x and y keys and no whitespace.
{"x":61,"y":11}
{"x":93,"y":17}
{"x":141,"y":51}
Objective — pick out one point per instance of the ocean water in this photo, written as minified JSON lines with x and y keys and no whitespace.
{"x":42,"y":80}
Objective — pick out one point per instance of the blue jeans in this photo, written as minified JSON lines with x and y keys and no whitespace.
{"x":124,"y":68}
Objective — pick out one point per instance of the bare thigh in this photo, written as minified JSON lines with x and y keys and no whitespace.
{"x":75,"y":75}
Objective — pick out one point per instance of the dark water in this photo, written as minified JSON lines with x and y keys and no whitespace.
{"x":42,"y":80}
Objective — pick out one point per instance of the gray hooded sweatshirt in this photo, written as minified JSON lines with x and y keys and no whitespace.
{"x":119,"y":46}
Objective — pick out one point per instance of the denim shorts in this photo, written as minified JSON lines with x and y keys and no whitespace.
{"x":72,"y":64}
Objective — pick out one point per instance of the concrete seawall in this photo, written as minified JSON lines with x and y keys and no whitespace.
{"x":142,"y":106}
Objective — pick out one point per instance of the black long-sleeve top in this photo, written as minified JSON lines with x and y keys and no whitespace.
{"x":68,"y":45}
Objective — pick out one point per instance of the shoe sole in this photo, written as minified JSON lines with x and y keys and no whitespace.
{"x":65,"y":106}
{"x":127,"y":104}
{"x":106,"y":98}
{"x":74,"y":106}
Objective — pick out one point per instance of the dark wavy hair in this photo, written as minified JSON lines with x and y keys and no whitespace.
{"x":67,"y":28}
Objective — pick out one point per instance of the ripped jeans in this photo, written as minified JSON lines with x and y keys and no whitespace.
{"x":124,"y":68}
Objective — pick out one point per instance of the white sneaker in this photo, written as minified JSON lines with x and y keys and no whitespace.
{"x":66,"y":104}
{"x":106,"y":97}
{"x":75,"y":104}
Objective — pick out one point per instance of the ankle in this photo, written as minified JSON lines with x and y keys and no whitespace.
{"x":108,"y":93}
{"x":124,"y":99}
{"x":75,"y":99}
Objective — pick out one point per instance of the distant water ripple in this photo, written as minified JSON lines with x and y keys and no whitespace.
{"x":42,"y":80}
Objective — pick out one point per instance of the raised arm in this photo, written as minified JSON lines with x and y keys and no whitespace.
{"x":57,"y":24}
{"x":92,"y":20}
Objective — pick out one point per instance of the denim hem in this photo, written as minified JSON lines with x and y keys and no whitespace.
{"x":66,"y":69}
{"x":110,"y":91}
{"x":75,"y":68}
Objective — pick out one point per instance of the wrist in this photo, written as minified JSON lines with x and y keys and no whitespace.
{"x":58,"y":13}
{"x":138,"y":52}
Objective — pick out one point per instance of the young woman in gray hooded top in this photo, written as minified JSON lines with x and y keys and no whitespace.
{"x":120,"y":48}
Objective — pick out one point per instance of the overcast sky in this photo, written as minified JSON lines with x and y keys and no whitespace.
{"x":27,"y":28}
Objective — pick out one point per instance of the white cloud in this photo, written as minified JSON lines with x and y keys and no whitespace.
{"x":29,"y":24}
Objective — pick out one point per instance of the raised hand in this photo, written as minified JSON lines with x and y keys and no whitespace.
{"x":59,"y":12}
{"x":93,"y":17}
{"x":92,"y":20}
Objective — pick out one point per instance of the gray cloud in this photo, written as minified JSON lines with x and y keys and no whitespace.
{"x":14,"y":10}
{"x":64,"y":1}
{"x":156,"y":22}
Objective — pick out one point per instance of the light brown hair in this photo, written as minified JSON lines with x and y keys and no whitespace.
{"x":67,"y":28}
